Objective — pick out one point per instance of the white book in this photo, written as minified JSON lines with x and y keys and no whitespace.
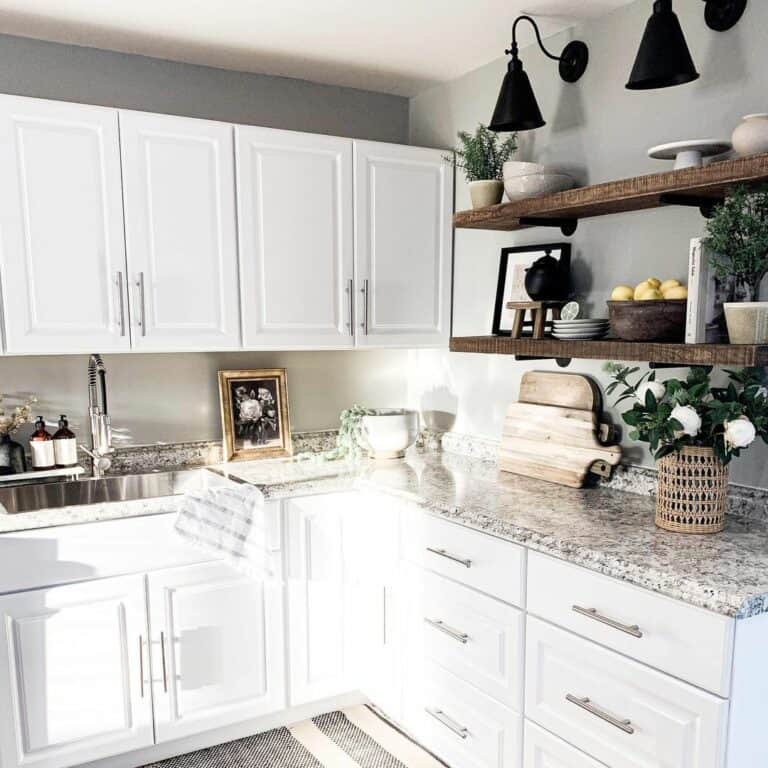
{"x":695,"y":321}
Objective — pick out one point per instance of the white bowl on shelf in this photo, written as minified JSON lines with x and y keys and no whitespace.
{"x":536,"y":185}
{"x":513,"y":168}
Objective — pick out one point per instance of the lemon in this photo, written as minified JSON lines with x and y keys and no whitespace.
{"x":641,"y":288}
{"x":654,"y":282}
{"x":667,"y":284}
{"x":622,"y":293}
{"x":650,"y":294}
{"x":677,"y":292}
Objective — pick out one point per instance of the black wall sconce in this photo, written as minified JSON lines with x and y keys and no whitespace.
{"x":516,"y":107}
{"x":663,"y":59}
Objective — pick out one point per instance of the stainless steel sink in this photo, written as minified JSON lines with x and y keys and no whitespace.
{"x":52,"y":495}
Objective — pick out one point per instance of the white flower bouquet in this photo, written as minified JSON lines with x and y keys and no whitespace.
{"x":12,"y":418}
{"x":676,"y":413}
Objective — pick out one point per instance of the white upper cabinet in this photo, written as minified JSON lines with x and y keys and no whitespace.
{"x":403,"y":245}
{"x":296,"y":245}
{"x":62,"y":258}
{"x":74,"y":673}
{"x":179,"y":197}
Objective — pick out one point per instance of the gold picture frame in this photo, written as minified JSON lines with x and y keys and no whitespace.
{"x":254,"y":414}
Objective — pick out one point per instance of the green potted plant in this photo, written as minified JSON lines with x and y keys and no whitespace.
{"x":737,"y":235}
{"x":694,"y":430}
{"x":482,"y":156}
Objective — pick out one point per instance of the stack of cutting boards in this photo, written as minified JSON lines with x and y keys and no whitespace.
{"x":554,"y":432}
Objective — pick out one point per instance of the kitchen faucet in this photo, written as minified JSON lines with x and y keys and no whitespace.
{"x":98,"y":414}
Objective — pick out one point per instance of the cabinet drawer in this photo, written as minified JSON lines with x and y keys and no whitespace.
{"x":617,"y":710}
{"x":688,"y":642}
{"x":475,"y":559}
{"x":477,"y":638}
{"x":543,"y":750}
{"x":461,"y":725}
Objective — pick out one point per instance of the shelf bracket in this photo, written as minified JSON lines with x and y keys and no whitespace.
{"x":566,"y":226}
{"x":659,"y":366}
{"x":705,"y":204}
{"x":562,"y":362}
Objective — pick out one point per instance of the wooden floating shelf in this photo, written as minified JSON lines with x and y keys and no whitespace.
{"x":649,"y":352}
{"x":690,"y":186}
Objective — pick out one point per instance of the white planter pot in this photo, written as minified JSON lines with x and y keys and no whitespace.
{"x":747,"y":322}
{"x":390,"y":432}
{"x":751,"y":135}
{"x":485,"y":193}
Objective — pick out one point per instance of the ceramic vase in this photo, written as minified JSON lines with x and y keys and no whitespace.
{"x":747,"y":322}
{"x":485,"y":193}
{"x":12,"y":459}
{"x":751,"y":135}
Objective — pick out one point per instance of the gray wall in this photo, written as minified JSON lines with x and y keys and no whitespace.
{"x":91,"y":76}
{"x":599,"y":131}
{"x":175,"y":397}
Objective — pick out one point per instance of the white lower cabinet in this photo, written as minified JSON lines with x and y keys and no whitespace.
{"x":74,"y":673}
{"x":459,"y":723}
{"x":543,"y":750}
{"x":217,"y":648}
{"x":618,"y":710}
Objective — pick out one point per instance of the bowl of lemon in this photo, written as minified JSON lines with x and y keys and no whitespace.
{"x":654,"y":310}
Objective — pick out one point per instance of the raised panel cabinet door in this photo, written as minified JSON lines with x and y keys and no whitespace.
{"x":217,"y":648}
{"x":74,"y":673}
{"x":62,"y":255}
{"x":403,"y":245}
{"x":318,"y":599}
{"x":295,"y":233}
{"x":180,"y":231}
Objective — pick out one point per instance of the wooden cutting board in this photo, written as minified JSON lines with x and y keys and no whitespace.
{"x":551,"y":441}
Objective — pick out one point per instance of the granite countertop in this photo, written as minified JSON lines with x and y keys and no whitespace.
{"x":605,"y":530}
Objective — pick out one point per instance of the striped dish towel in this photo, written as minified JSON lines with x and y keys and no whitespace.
{"x":231,"y":523}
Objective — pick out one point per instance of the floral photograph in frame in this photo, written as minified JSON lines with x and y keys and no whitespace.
{"x":254,"y":414}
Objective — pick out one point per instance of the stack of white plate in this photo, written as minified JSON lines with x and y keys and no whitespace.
{"x":580,"y":330}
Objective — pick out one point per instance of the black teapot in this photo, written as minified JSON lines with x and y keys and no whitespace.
{"x":547,"y":279}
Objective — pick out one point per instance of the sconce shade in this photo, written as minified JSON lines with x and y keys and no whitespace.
{"x":516,"y":107}
{"x":663,"y":59}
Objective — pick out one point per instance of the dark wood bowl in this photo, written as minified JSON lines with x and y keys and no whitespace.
{"x":656,"y":320}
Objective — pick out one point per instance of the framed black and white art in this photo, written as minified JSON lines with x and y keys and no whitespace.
{"x":513,"y":265}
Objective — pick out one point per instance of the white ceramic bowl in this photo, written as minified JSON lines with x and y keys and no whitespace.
{"x":514,"y":168}
{"x":536,"y":185}
{"x":390,"y":432}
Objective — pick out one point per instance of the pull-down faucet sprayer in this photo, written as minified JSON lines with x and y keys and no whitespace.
{"x":98,"y":414}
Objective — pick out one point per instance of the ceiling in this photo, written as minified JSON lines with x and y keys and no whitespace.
{"x":393,"y":46}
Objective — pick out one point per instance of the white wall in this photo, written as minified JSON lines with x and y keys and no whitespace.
{"x":598,"y":131}
{"x":175,"y":397}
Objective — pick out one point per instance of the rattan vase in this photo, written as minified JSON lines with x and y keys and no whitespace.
{"x":692,"y":491}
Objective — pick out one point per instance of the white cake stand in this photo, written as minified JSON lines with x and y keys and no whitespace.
{"x":689,"y":154}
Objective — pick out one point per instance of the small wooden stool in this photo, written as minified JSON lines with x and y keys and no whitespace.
{"x":538,"y":310}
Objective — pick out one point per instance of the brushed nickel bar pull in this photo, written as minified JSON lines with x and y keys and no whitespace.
{"x":588,"y":706}
{"x":457,"y":635}
{"x":141,"y":665}
{"x":364,"y":291}
{"x":121,"y":302}
{"x":162,"y":656}
{"x":448,"y":722}
{"x":350,"y":291}
{"x":448,"y":556}
{"x":591,"y":613}
{"x":142,"y":307}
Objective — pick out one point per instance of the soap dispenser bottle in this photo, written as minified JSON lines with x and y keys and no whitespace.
{"x":41,"y":446}
{"x":65,"y":444}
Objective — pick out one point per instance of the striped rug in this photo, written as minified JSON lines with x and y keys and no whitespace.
{"x":350,"y":738}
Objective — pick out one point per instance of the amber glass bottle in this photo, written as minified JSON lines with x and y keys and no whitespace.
{"x":65,"y":444}
{"x":41,"y":446}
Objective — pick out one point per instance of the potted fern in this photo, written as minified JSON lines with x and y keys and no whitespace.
{"x":482,"y":156}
